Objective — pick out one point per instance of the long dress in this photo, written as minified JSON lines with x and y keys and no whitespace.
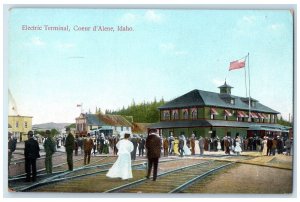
{"x":237,"y":147}
{"x":122,"y":166}
{"x":265,"y":147}
{"x":176,"y":142}
{"x":186,"y":150}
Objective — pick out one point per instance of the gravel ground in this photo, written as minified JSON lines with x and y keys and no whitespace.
{"x":249,"y":179}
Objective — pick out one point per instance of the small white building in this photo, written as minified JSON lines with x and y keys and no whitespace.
{"x":102,"y":123}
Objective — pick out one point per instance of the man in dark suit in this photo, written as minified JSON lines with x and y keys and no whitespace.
{"x":153,"y":146}
{"x":88,"y":145}
{"x":31,"y":153}
{"x":70,"y":144}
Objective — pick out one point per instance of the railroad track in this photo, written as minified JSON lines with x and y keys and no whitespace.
{"x":173,"y":181}
{"x":61,"y":168}
{"x":22,"y":160}
{"x":77,"y":173}
{"x":92,"y":178}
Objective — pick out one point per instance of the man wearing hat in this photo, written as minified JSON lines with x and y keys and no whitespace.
{"x":70,"y":144}
{"x":31,"y":153}
{"x":88,"y":145}
{"x":153,"y":145}
{"x":49,"y":147}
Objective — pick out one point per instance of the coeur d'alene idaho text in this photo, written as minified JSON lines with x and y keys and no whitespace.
{"x":96,"y":28}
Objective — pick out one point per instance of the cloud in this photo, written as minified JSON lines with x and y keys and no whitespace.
{"x":249,"y":19}
{"x":37,"y":41}
{"x":217,"y":82}
{"x":66,"y":45}
{"x":275,"y":27}
{"x":153,"y":16}
{"x":166,"y":47}
{"x":170,"y":48}
{"x":129,"y":18}
{"x":150,"y":16}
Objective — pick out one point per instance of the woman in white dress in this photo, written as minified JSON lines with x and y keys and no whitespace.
{"x":265,"y":147}
{"x":219,"y":145}
{"x":122,"y":167}
{"x":186,"y":150}
{"x":237,"y":147}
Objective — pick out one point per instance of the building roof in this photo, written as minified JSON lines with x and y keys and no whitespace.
{"x":113,"y":120}
{"x":181,"y":124}
{"x":225,"y":85}
{"x":204,"y":98}
{"x":92,"y":119}
{"x":140,"y":127}
{"x":211,"y":123}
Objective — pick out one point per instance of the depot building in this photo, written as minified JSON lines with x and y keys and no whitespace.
{"x":210,"y":114}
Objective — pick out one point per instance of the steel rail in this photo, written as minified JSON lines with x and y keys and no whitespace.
{"x":23,"y":176}
{"x":129,"y":185}
{"x":196,"y":179}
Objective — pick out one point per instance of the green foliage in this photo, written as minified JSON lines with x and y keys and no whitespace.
{"x":283,"y":122}
{"x":73,"y":125}
{"x":145,"y":112}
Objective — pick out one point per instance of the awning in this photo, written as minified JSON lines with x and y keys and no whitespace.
{"x":266,"y":117}
{"x":260,"y":115}
{"x":273,"y":128}
{"x":214,"y":111}
{"x":227,"y":113}
{"x":253,"y":115}
{"x":242,"y":114}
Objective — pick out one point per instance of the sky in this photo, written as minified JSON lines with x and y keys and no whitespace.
{"x":167,"y":54}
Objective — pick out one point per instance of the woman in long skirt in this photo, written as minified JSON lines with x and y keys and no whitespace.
{"x":237,"y":147}
{"x":122,"y":167}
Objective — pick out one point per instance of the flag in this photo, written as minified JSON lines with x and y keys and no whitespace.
{"x":78,"y":105}
{"x":237,"y":64}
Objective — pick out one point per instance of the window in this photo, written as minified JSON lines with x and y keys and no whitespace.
{"x":212,"y":116}
{"x":175,"y":114}
{"x":166,"y":115}
{"x":194,"y":113}
{"x":232,"y":101}
{"x":185,"y":114}
{"x":225,"y":117}
{"x":17,"y":124}
{"x":91,"y":127}
{"x":121,"y":128}
{"x":253,"y":104}
{"x":25,"y":124}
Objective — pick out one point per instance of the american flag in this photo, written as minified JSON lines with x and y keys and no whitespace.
{"x":237,"y":64}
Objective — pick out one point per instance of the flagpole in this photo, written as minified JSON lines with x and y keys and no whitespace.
{"x":249,"y":119}
{"x":246,"y":82}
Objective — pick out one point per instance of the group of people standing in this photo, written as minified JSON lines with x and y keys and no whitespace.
{"x":122,"y":167}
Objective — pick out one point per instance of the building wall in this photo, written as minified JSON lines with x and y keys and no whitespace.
{"x":21,"y":125}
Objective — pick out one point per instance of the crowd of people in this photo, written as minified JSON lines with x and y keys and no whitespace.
{"x":128,"y":146}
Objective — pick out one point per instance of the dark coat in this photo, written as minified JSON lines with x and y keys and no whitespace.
{"x":153,"y":145}
{"x":142,"y":143}
{"x":32,"y":149}
{"x":49,"y":146}
{"x":70,"y":143}
{"x":88,"y":145}
{"x":166,"y":143}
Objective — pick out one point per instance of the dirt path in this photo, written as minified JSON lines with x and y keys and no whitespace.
{"x":245,"y":178}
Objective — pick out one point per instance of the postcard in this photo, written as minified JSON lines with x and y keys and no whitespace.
{"x":150,"y":101}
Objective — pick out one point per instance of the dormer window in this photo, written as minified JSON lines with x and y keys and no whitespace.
{"x":232,"y":101}
{"x":213,"y":113}
{"x":253,"y":104}
{"x":194,"y":113}
{"x":185,"y":114}
{"x":174,"y":114}
{"x":166,"y":115}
